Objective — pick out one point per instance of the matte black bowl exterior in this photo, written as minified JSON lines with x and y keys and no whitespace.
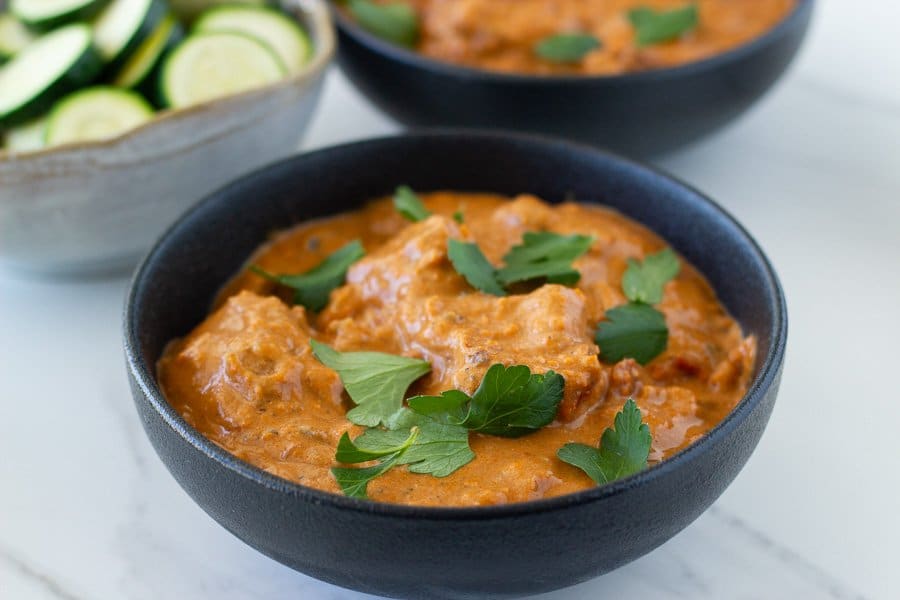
{"x":642,"y":114}
{"x":415,"y":552}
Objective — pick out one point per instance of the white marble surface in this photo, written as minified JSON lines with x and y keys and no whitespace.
{"x":814,"y":172}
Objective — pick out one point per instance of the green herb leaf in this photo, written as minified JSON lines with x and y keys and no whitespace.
{"x":645,"y":281}
{"x":355,"y":482}
{"x":566,"y":47}
{"x":397,"y":22}
{"x":348,"y":452}
{"x":458,"y":217}
{"x":654,"y":27}
{"x":409,"y":205}
{"x":376,"y":382}
{"x":544,"y":255}
{"x":509,"y":402}
{"x":312,"y":289}
{"x":470,"y":262}
{"x":623,"y":451}
{"x":632,"y":330}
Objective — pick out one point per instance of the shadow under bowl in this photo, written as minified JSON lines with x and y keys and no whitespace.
{"x":642,"y":114}
{"x":421,"y":552}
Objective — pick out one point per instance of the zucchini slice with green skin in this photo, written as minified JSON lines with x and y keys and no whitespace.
{"x":27,"y":137}
{"x":123,"y":26}
{"x":95,"y":113}
{"x":14,"y":36}
{"x":44,"y":15}
{"x":49,"y":68}
{"x":275,"y":28}
{"x":208,"y":65}
{"x":139,"y":71}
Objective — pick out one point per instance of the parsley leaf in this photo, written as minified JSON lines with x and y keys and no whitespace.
{"x":354,"y":482}
{"x":312,"y":289}
{"x":409,"y":205}
{"x":566,"y":47}
{"x":376,"y":382}
{"x":397,"y":22}
{"x":623,"y":450}
{"x":644,"y":281}
{"x":544,"y":255}
{"x":633,"y":330}
{"x":428,"y":447}
{"x":470,"y":262}
{"x":653,"y":27}
{"x":509,"y":402}
{"x":458,"y":217}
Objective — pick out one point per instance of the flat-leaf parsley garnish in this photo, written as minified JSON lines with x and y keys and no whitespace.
{"x":396,"y":22}
{"x":313,"y":288}
{"x":470,"y":262}
{"x":656,"y":26}
{"x":409,"y":205}
{"x":375,"y":381}
{"x":566,"y":47}
{"x":509,"y":402}
{"x":432,"y":436}
{"x":623,"y":449}
{"x":541,"y":256}
{"x":636,"y":329}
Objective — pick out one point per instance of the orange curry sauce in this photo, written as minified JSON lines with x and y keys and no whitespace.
{"x":246,"y":377}
{"x":500,"y":35}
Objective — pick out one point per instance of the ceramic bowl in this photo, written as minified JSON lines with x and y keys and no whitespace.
{"x":423,"y":552}
{"x":641,"y":114}
{"x":98,"y":206}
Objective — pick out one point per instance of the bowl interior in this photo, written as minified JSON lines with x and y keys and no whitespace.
{"x":796,"y":18}
{"x":174,"y":287}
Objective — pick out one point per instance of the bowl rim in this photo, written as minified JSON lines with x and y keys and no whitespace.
{"x":318,"y":20}
{"x":801,"y":12}
{"x":141,"y":373}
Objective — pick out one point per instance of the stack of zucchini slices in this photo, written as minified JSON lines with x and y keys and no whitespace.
{"x":83,"y":70}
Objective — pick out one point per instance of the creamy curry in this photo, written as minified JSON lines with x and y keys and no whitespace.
{"x":247,"y":379}
{"x":501,"y":35}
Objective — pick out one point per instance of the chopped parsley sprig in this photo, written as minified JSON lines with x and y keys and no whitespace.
{"x":636,"y":329}
{"x":312,"y":289}
{"x":657,"y":26}
{"x":623,"y":450}
{"x":566,"y":47}
{"x":432,"y":435}
{"x":396,"y":22}
{"x":542,"y":255}
{"x":409,"y":205}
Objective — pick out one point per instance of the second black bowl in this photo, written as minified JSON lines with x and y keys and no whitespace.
{"x":425,"y":552}
{"x":642,"y":114}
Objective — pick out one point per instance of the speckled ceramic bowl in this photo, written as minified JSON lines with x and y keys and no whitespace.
{"x":429,"y":552}
{"x":97,"y":206}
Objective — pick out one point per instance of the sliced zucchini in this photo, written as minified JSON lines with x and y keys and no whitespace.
{"x":44,"y":15}
{"x":187,"y":10}
{"x":140,"y":68}
{"x":275,"y":28}
{"x":46,"y":70}
{"x":27,"y":137}
{"x":96,"y":113}
{"x":209,"y":65}
{"x":13,"y":36}
{"x":123,"y":26}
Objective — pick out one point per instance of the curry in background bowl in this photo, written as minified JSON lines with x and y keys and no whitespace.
{"x":590,"y":311}
{"x":582,"y":37}
{"x":642,"y":77}
{"x":411,"y":550}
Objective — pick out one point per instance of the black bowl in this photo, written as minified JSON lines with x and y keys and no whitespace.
{"x":418,"y":552}
{"x":643,"y":114}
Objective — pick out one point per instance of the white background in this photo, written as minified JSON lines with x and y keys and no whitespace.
{"x":87,"y":511}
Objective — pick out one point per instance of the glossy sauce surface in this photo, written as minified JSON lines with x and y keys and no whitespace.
{"x":500,"y":35}
{"x":246,"y":377}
